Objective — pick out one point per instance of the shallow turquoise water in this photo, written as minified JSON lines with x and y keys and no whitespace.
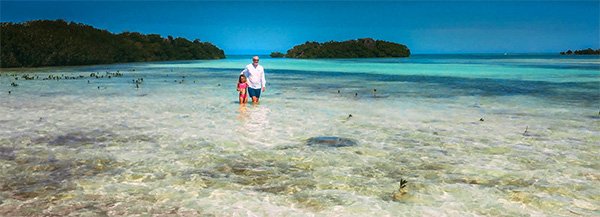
{"x":180,"y":144}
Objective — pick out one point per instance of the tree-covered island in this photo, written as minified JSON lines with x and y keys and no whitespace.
{"x":277,"y":54}
{"x":360,"y":48}
{"x":61,"y":43}
{"x":588,"y":51}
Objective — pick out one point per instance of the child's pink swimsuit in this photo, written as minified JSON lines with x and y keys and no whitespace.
{"x":243,"y":86}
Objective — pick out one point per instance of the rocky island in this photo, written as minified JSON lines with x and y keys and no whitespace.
{"x":360,"y":48}
{"x":61,"y":43}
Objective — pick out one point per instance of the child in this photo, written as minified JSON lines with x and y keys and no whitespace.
{"x":242,"y":88}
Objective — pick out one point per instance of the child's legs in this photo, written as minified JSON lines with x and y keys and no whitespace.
{"x":245,"y":93}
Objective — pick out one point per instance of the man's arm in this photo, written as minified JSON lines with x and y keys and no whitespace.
{"x":244,"y":71}
{"x":263,"y":81}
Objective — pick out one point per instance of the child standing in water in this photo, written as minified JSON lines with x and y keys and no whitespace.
{"x":242,"y":88}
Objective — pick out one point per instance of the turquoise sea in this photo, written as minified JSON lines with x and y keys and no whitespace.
{"x":473,"y":135}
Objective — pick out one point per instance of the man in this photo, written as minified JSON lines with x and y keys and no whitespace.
{"x":256,"y":79}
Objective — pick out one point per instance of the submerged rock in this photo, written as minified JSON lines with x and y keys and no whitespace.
{"x":77,"y":139}
{"x":330,"y":141}
{"x":7,"y":153}
{"x":45,"y":177}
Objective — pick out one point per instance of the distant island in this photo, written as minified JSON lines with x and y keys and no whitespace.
{"x":61,"y":43}
{"x":277,"y":54}
{"x":360,"y":48}
{"x":588,"y":51}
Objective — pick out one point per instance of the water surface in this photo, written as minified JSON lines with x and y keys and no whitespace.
{"x":181,"y":144}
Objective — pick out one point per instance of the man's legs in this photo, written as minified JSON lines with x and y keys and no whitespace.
{"x":255,"y":94}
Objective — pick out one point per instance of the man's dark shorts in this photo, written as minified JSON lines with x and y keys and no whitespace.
{"x":254,"y":92}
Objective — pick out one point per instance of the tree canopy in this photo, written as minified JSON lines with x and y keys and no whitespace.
{"x":588,"y":51}
{"x":360,"y":48}
{"x":61,"y":43}
{"x":277,"y":54}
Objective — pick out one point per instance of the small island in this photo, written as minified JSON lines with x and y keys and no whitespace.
{"x":360,"y":48}
{"x":60,"y":43}
{"x":588,"y":51}
{"x":277,"y":54}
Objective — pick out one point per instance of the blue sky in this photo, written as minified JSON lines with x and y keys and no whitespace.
{"x":261,"y":27}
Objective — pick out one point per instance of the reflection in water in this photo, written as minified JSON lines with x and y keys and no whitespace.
{"x":243,"y":112}
{"x":259,"y":115}
{"x":254,"y":123}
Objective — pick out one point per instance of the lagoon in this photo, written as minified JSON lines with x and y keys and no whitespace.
{"x":181,"y":144}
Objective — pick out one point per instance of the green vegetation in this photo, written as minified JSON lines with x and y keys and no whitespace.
{"x":277,"y":54}
{"x":588,"y":51}
{"x":360,"y":48}
{"x":61,"y":43}
{"x":397,"y":195}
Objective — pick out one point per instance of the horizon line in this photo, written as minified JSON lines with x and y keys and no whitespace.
{"x":465,"y":53}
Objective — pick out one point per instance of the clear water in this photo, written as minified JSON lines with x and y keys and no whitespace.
{"x":173,"y":147}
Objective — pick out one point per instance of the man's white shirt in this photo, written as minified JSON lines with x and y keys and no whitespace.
{"x":255,"y":76}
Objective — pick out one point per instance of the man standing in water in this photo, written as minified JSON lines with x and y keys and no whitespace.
{"x":256,"y":79}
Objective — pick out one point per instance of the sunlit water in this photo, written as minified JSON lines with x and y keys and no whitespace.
{"x":180,"y":144}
